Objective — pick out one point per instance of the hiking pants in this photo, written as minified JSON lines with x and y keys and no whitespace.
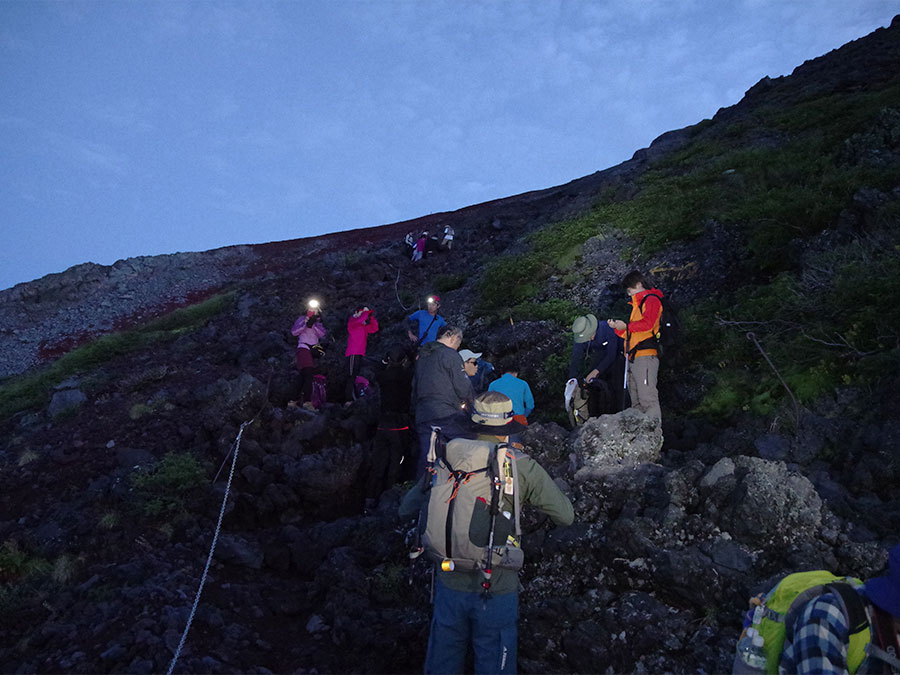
{"x":388,"y":450}
{"x":488,"y":623}
{"x":642,"y":373}
{"x":354,"y":363}
{"x":305,"y":366}
{"x":452,"y":427}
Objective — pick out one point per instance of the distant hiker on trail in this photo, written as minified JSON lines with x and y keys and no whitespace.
{"x":419,"y":249}
{"x":477,"y":369}
{"x":390,"y":449}
{"x":476,"y":601}
{"x":441,"y":391}
{"x":409,"y":240}
{"x":640,"y":342}
{"x":598,"y":364}
{"x":428,"y":320}
{"x":361,"y":324}
{"x":817,"y":622}
{"x":447,"y":239}
{"x":308,"y":330}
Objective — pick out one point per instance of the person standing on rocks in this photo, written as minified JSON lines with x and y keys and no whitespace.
{"x":308,"y":330}
{"x":419,"y":249}
{"x":597,"y":355}
{"x":361,"y":324}
{"x":428,"y":320}
{"x":441,"y":392}
{"x":390,"y":447}
{"x":466,"y":611}
{"x":640,"y":335}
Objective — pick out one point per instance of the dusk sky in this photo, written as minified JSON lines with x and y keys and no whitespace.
{"x":139,"y":128}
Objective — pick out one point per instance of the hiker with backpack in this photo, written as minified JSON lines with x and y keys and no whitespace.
{"x":441,"y":392}
{"x":428,"y":321}
{"x":598,"y":365}
{"x":308,"y":330}
{"x":469,"y":503}
{"x":641,"y":334}
{"x":390,"y":447}
{"x":817,"y":622}
{"x":361,"y":324}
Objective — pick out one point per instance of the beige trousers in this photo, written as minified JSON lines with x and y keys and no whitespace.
{"x":642,"y":373}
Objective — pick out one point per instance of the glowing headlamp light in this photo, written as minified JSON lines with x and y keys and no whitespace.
{"x":431,"y":300}
{"x":313,"y":304}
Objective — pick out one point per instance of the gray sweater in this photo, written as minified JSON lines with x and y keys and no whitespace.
{"x":440,"y":385}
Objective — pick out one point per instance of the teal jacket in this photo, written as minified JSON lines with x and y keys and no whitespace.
{"x":518,"y":391}
{"x":536,"y":488}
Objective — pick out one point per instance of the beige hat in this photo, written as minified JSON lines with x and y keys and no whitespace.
{"x":493,"y":413}
{"x":584,"y":328}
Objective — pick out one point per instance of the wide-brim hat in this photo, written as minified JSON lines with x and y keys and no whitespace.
{"x":495,"y":417}
{"x":584,"y":328}
{"x":885,"y":591}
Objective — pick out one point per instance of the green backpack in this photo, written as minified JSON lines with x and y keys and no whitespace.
{"x":782,"y":604}
{"x":472,"y":513}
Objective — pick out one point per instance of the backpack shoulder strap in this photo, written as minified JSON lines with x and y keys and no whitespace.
{"x":852,"y":604}
{"x":506,"y":457}
{"x":644,"y":299}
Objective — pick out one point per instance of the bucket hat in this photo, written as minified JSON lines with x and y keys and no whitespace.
{"x":885,"y":591}
{"x":584,"y":328}
{"x":493,"y":414}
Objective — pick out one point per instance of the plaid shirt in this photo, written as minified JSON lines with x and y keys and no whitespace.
{"x":820,"y":641}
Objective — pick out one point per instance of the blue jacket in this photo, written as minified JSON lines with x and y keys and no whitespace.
{"x":518,"y":391}
{"x":424,"y":319}
{"x":601,"y":352}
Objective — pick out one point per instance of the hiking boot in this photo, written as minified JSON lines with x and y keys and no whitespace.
{"x":310,"y":406}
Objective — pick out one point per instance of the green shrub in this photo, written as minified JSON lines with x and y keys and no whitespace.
{"x":164,"y":488}
{"x":449,"y":282}
{"x":17,"y":564}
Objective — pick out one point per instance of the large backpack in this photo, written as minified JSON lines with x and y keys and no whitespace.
{"x":787,"y":599}
{"x":471,"y":518}
{"x":667,"y":339}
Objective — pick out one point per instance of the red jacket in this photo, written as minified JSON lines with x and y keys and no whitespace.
{"x":358,"y":330}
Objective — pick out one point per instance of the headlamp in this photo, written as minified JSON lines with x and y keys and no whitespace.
{"x":313,"y":304}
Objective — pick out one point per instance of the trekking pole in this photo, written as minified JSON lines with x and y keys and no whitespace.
{"x":625,"y":383}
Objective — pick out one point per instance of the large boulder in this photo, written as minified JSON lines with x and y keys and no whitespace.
{"x":615,"y":441}
{"x":761,"y":502}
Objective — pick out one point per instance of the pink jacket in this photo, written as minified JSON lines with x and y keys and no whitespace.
{"x":307,"y":335}
{"x":358,"y":332}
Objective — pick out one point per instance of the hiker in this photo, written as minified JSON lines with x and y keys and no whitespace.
{"x":428,"y":320}
{"x":474,"y":605}
{"x":477,"y":369}
{"x":640,"y":342}
{"x":419,"y":248}
{"x":598,"y":364}
{"x":517,"y":390}
{"x":447,"y":239}
{"x":837,"y":625}
{"x":472,"y":364}
{"x":441,"y":392}
{"x":390,"y":447}
{"x":308,"y":330}
{"x":361,"y":324}
{"x":409,"y":241}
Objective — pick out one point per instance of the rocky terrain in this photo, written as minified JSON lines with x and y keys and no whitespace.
{"x":115,"y":456}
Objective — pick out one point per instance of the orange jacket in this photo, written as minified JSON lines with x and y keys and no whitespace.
{"x":643,"y":326}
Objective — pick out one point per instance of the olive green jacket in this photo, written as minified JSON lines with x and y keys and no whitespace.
{"x":535,"y":488}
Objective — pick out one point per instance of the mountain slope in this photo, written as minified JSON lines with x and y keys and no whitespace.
{"x":778,"y":217}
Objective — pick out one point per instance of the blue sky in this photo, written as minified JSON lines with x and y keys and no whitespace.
{"x":139,"y":128}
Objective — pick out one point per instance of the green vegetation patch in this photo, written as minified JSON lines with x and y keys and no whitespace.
{"x":164,"y":489}
{"x":33,"y":390}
